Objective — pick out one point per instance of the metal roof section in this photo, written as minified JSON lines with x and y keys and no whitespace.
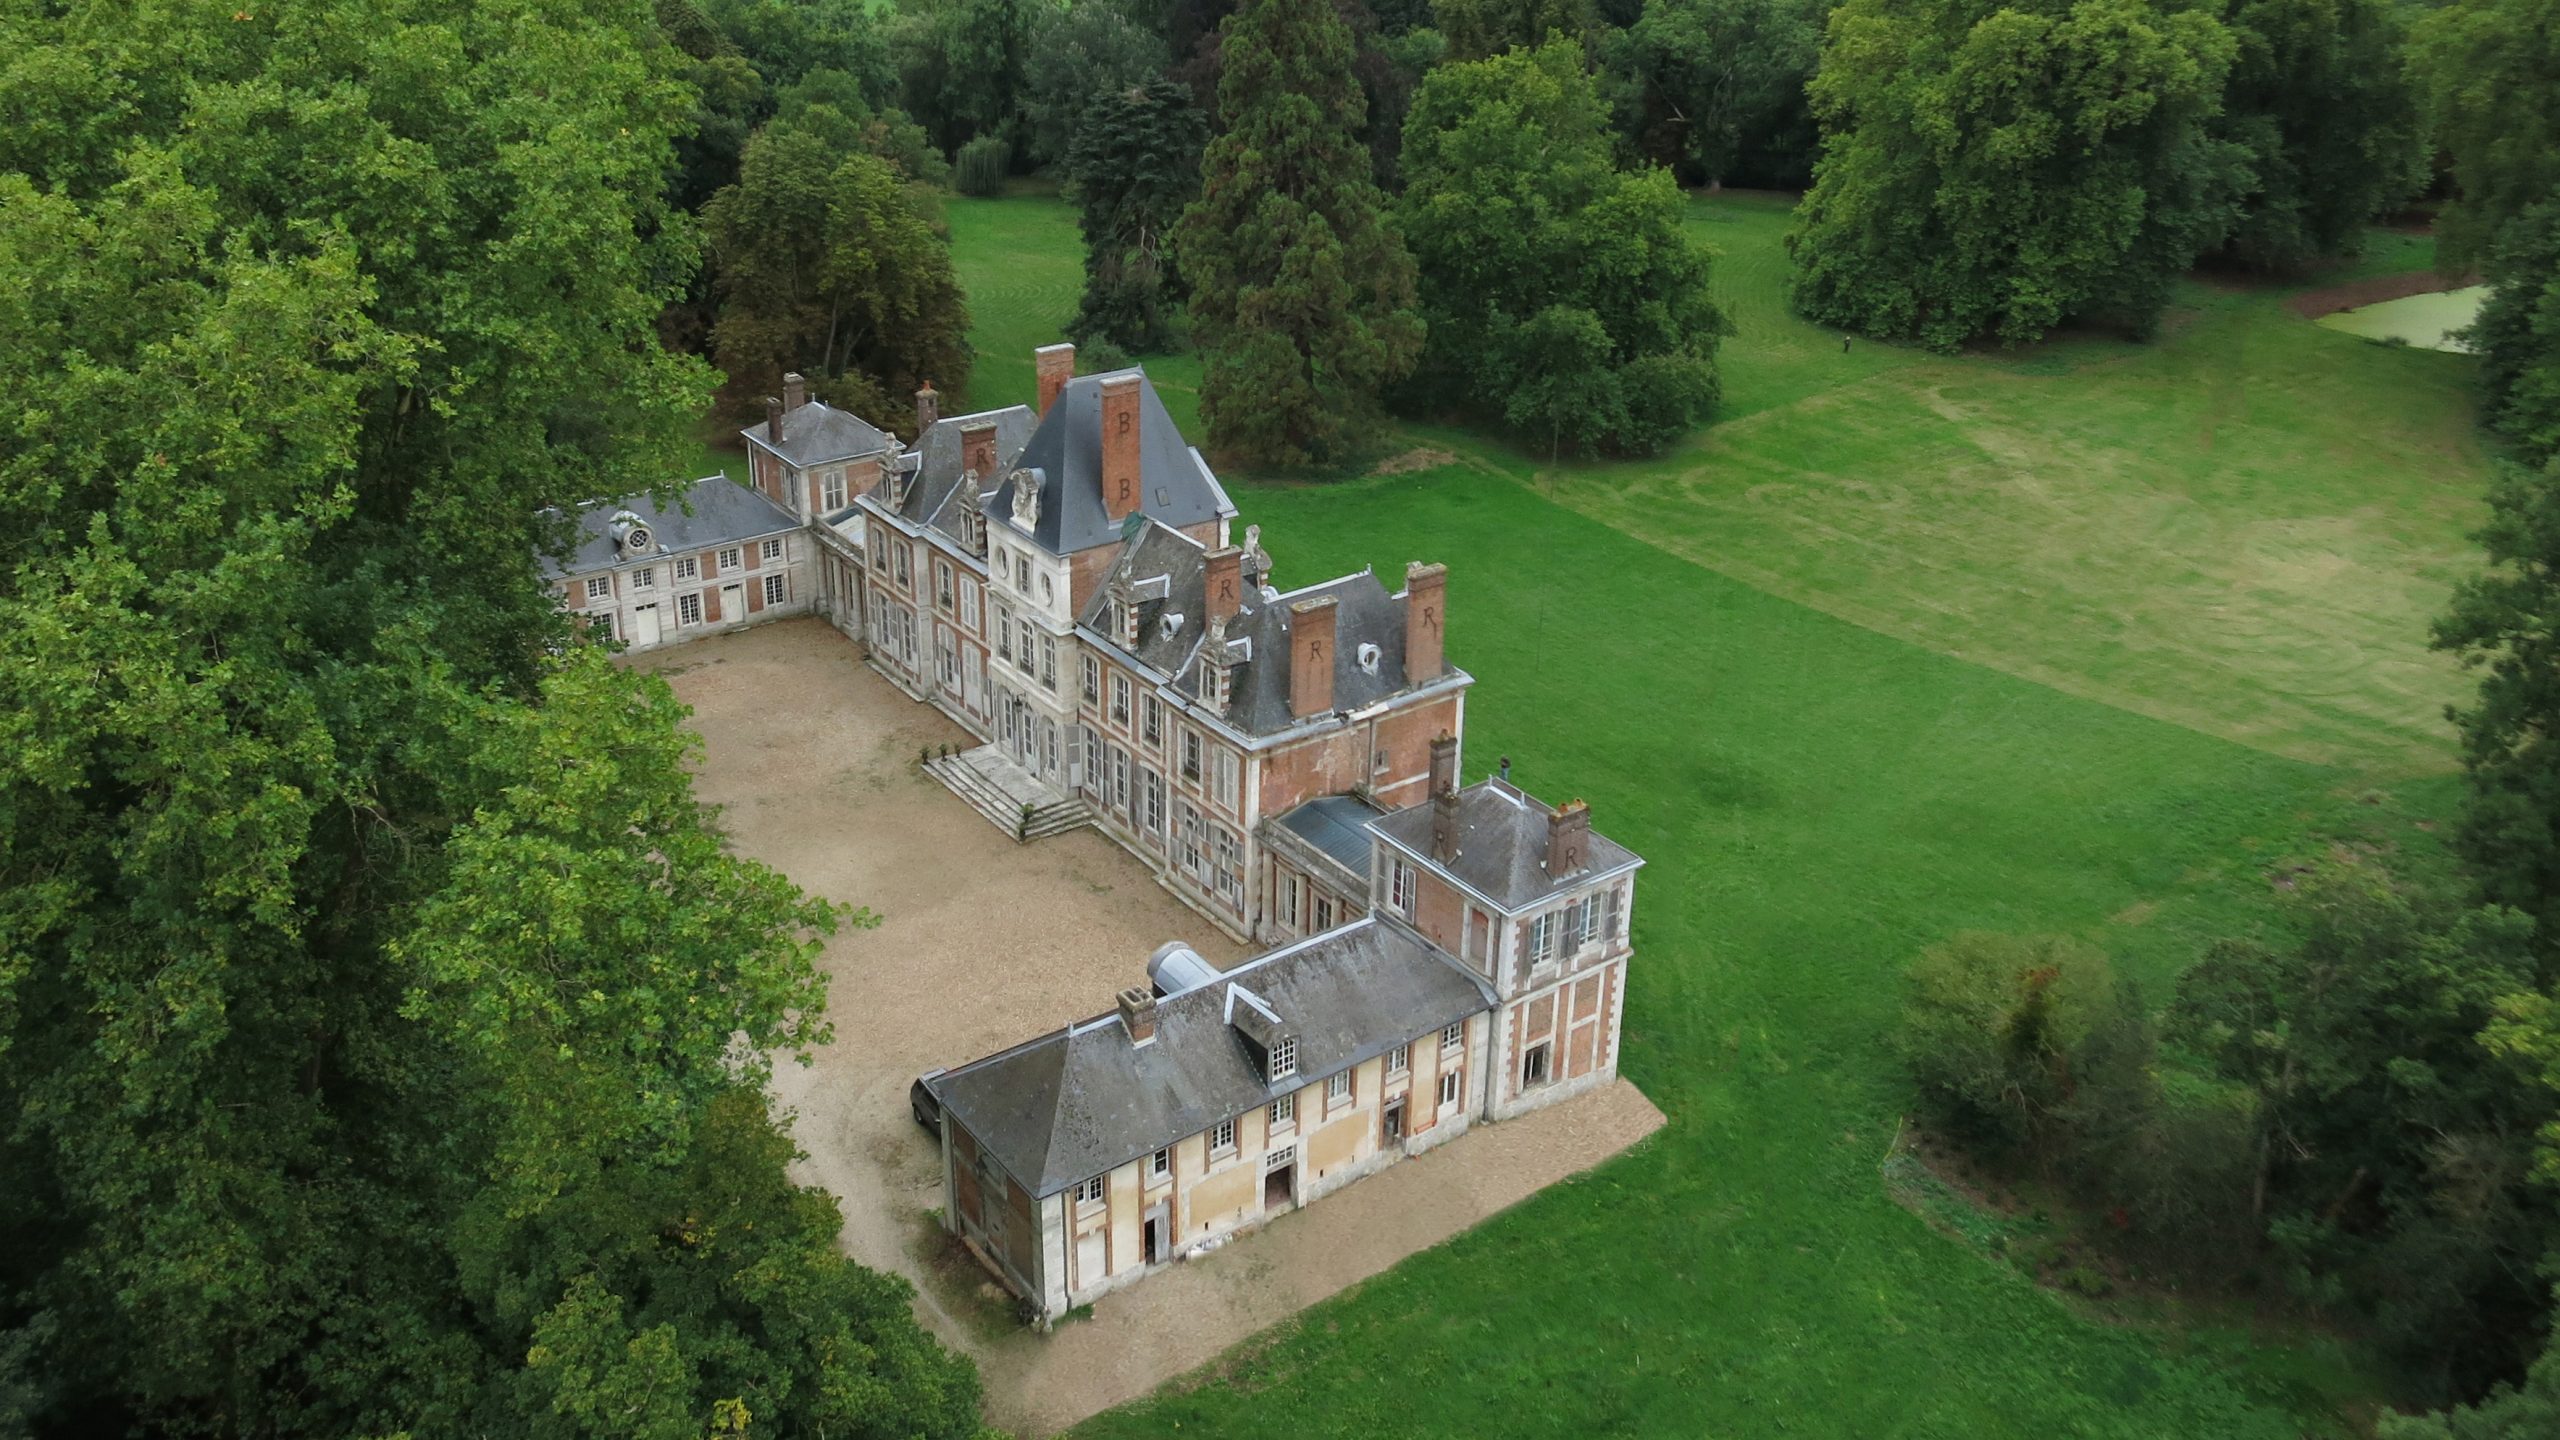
{"x":1078,"y":1102}
{"x":712,"y":511}
{"x":1502,"y":846}
{"x":1337,"y":826}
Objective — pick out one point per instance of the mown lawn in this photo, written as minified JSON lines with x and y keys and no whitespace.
{"x":1820,"y":799}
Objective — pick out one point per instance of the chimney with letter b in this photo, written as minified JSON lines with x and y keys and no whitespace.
{"x":1121,"y":486}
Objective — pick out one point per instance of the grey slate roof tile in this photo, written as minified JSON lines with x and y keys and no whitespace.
{"x":1067,"y":451}
{"x":1502,"y":849}
{"x":724,"y":512}
{"x":1078,"y":1102}
{"x":818,"y":433}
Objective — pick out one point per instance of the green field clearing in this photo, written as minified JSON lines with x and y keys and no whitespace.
{"x":2423,"y":320}
{"x":1796,"y":665}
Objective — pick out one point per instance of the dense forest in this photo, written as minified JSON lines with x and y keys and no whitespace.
{"x":384,"y":1028}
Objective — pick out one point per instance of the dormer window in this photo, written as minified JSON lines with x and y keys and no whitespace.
{"x":1284,"y":1059}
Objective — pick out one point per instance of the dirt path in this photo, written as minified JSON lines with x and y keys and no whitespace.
{"x":982,"y":942}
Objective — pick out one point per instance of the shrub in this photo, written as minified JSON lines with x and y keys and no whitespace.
{"x":982,"y":166}
{"x":1990,"y":1028}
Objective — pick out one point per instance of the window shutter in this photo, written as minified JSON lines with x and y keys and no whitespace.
{"x":1617,"y":898}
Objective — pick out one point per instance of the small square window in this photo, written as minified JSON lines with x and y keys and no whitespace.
{"x":644,"y":578}
{"x":1338,"y":1088}
{"x":1400,"y":1059}
{"x":1533,"y":1066}
{"x":1162,"y":1164}
{"x":688,"y":568}
{"x":1454,"y":1036}
{"x":773,"y":549}
{"x":1222,"y":1136}
{"x":598,"y":588}
{"x":1090,"y":1192}
{"x":1284,"y":1111}
{"x":729,"y":558}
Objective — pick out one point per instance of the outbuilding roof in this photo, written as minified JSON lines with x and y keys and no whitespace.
{"x":818,"y":434}
{"x":1502,"y":846}
{"x":715,"y":510}
{"x":1078,"y":1102}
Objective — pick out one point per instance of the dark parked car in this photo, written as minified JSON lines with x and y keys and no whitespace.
{"x":928,"y":1111}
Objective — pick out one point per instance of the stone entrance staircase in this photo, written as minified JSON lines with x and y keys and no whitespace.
{"x":1013,"y":799}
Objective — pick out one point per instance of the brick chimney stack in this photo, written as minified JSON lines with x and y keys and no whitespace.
{"x":1444,"y":797}
{"x":1056,"y":365}
{"x":773,"y":419}
{"x":1568,"y":839}
{"x":928,"y":409}
{"x":795,"y":391}
{"x":1311,"y":656}
{"x":1138,"y":1013}
{"x":1426,"y":611}
{"x":1224,"y":581}
{"x":1121,"y":488}
{"x":978,"y":448}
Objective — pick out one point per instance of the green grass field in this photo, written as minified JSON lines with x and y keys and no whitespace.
{"x":2070,"y":640}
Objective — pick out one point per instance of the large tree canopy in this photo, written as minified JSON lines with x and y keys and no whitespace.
{"x":1563,"y":295}
{"x":2485,"y":70}
{"x":1717,"y":86}
{"x":2319,"y":99}
{"x":1302,"y":292}
{"x":1135,"y":165}
{"x":380,"y":1022}
{"x":830,"y":266}
{"x":1990,"y":171}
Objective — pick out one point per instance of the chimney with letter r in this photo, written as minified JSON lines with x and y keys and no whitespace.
{"x":1568,"y":839}
{"x":1223,"y":581}
{"x":1121,"y":489}
{"x":1056,"y":365}
{"x":1311,"y":656}
{"x":1426,"y":611}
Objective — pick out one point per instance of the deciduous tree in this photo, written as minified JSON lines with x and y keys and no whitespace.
{"x":1302,"y":292}
{"x":1082,"y":55}
{"x":2319,"y":100}
{"x":1717,"y":86}
{"x":1990,"y":171}
{"x":1562,"y":294}
{"x":830,"y":266}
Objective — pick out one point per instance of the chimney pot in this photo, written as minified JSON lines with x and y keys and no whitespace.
{"x":1138,"y":1013}
{"x":773,"y":419}
{"x":1426,"y":596}
{"x":1444,"y":797}
{"x":1224,"y":581}
{"x":1311,"y":625}
{"x":1568,"y":839}
{"x":795,"y":391}
{"x":978,"y":447}
{"x":1056,"y":365}
{"x":928,"y":409}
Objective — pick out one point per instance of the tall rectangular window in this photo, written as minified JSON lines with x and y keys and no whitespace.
{"x":1400,"y":887}
{"x":1284,"y":1111}
{"x":1448,"y":1087}
{"x":1119,"y":699}
{"x":1162,"y":1164}
{"x":1049,"y":661}
{"x":1223,"y":772}
{"x":1284,"y":1058}
{"x":773,"y":589}
{"x":1190,"y":752}
{"x":1337,"y":1088}
{"x":1003,"y":627}
{"x":968,"y":602}
{"x":1092,"y":680}
{"x":688,"y":609}
{"x":831,"y":490}
{"x":943,"y":598}
{"x":1542,"y":938}
{"x":1154,"y":711}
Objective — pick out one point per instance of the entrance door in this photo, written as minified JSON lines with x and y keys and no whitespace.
{"x":1391,"y":1128}
{"x":1152,"y":1236}
{"x":1280,"y":1182}
{"x":644,"y":627}
{"x":733,"y":602}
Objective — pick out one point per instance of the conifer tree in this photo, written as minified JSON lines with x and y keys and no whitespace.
{"x":1134,"y":165}
{"x":1302,"y":296}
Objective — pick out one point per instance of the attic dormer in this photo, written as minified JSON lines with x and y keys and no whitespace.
{"x":1271,"y":1040}
{"x":631,"y":536}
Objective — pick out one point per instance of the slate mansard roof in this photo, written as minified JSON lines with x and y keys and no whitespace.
{"x":724,"y":513}
{"x":818,"y":434}
{"x":1174,"y":482}
{"x":933,"y":495}
{"x":1078,"y":1102}
{"x":1168,"y":571}
{"x":1502,"y":848}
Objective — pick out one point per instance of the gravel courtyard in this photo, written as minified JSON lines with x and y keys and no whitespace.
{"x":982,"y":942}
